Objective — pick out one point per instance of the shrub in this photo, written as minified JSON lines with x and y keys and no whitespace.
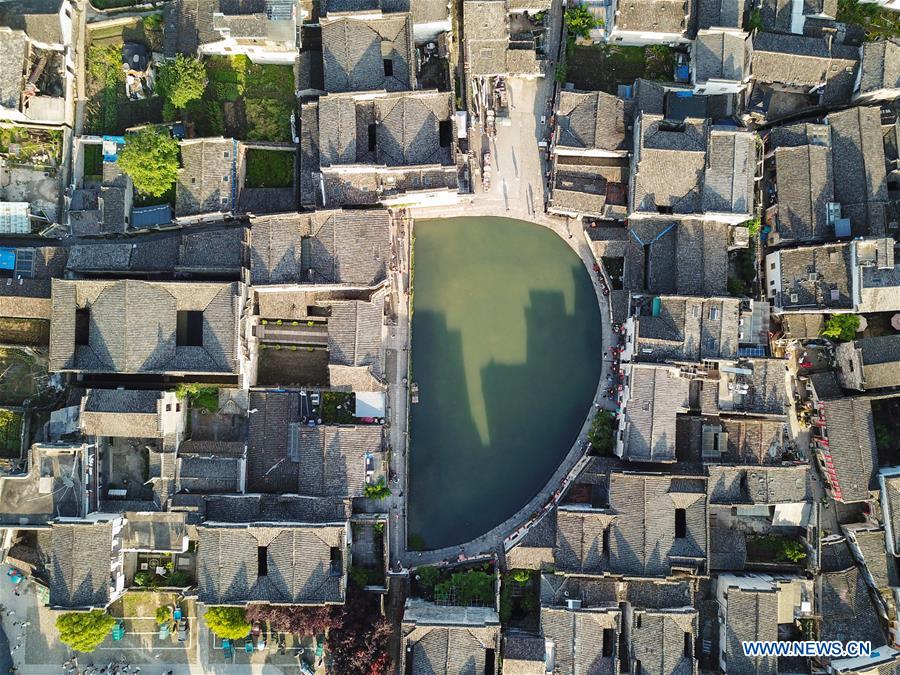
{"x":145,"y":579}
{"x":228,"y":623}
{"x":163,"y":614}
{"x":841,"y":327}
{"x":378,"y":490}
{"x":520,"y":576}
{"x":428,"y":576}
{"x":792,"y":551}
{"x":178,"y":578}
{"x":84,"y":631}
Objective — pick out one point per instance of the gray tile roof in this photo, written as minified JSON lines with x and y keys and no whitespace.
{"x":721,"y":55}
{"x":699,"y":247}
{"x":301,"y":568}
{"x":355,"y":334}
{"x":877,"y":275}
{"x":804,"y":193}
{"x":343,"y":247}
{"x":486,"y":41}
{"x":655,"y":396}
{"x":13,"y":49}
{"x":355,"y":50}
{"x":581,"y":187}
{"x":654,"y":16}
{"x":79,"y":564}
{"x":751,"y":439}
{"x":121,"y":413}
{"x":798,"y":61}
{"x":875,"y":558}
{"x":860,"y":178}
{"x":154,"y":531}
{"x":263,"y":508}
{"x":688,"y":329}
{"x":368,"y":188}
{"x":777,"y":15}
{"x":669,"y":165}
{"x":38,"y":18}
{"x":201,"y":474}
{"x":851,"y":444}
{"x":829,"y":267}
{"x":728,"y":183}
{"x":658,"y":641}
{"x":891,"y":498}
{"x":590,"y":120}
{"x":869,"y":363}
{"x":847,"y":609}
{"x":524,"y":655}
{"x":578,"y":636}
{"x":448,"y":650}
{"x":731,"y":485}
{"x":333,"y":459}
{"x":750,"y":615}
{"x":407,"y":128}
{"x":880,"y":66}
{"x":112,"y":206}
{"x":206,"y":181}
{"x":579,"y":541}
{"x":642,"y":540}
{"x":323,"y":461}
{"x":133,"y":326}
{"x":721,"y":13}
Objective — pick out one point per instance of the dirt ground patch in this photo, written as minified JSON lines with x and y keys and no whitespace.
{"x":25,"y":331}
{"x":21,"y":376}
{"x":600,"y":67}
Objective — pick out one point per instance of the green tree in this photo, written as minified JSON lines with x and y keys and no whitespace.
{"x":182,"y":80}
{"x":601,"y":436}
{"x":580,"y":22}
{"x":428,"y":575}
{"x":378,"y":490}
{"x":150,"y":157}
{"x":84,"y":631}
{"x":520,"y":576}
{"x":793,"y":551}
{"x":229,"y":623}
{"x":841,"y":327}
{"x":560,"y":74}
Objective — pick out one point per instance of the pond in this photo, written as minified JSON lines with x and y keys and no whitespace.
{"x":506,"y":340}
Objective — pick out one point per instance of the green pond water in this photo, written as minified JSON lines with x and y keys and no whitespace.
{"x":507,"y":354}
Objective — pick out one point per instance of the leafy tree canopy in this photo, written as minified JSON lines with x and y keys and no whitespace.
{"x":182,"y":80}
{"x":313,"y":620}
{"x":601,"y":435}
{"x":84,"y":631}
{"x":579,"y":21}
{"x":229,"y":623}
{"x":841,"y":327}
{"x":150,"y":157}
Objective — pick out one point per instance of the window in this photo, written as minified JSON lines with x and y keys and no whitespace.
{"x":680,"y":523}
{"x":193,"y":180}
{"x":168,"y":407}
{"x":224,"y":179}
{"x":662,"y":208}
{"x":609,"y":641}
{"x":177,"y":407}
{"x":388,"y":67}
{"x":225,"y":154}
{"x":189,"y":329}
{"x":772,"y":266}
{"x":688,"y":646}
{"x":713,"y":313}
{"x":372,"y":137}
{"x":262,"y":561}
{"x":82,"y":326}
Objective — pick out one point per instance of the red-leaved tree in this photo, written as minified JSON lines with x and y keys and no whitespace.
{"x":297,"y":620}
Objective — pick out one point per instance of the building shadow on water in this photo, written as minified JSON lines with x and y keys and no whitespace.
{"x":461,"y":487}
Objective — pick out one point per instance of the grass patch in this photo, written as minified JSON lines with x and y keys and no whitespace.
{"x":10,"y":433}
{"x":33,"y":146}
{"x":269,"y":169}
{"x":93,"y":160}
{"x":250,"y":101}
{"x":199,"y":396}
{"x":338,"y":406}
{"x":24,"y":331}
{"x":21,"y":376}
{"x":604,"y":67}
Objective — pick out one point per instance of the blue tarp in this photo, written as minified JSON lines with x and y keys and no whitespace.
{"x":111,"y":147}
{"x":7,"y":258}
